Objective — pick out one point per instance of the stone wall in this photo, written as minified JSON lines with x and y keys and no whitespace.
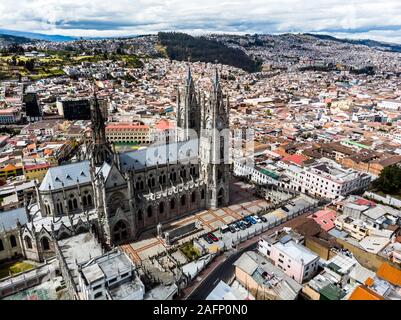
{"x":369,"y":260}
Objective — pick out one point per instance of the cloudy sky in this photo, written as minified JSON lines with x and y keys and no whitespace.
{"x":374,"y":19}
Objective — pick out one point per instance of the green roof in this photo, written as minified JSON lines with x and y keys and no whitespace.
{"x":357,"y":144}
{"x":269,"y":173}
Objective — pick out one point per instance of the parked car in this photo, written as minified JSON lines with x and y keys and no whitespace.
{"x":232,"y":228}
{"x":207,"y":239}
{"x":212,"y":237}
{"x":224,"y":229}
{"x":241,"y":225}
{"x":263,"y":219}
{"x":292,"y":203}
{"x":247,"y":223}
{"x":285,"y":209}
{"x":250,"y":219}
{"x":257,"y":219}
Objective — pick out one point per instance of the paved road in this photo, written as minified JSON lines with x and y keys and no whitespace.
{"x":223,"y":271}
{"x":222,"y":267}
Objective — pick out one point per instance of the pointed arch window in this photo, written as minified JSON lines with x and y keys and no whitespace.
{"x":13,"y":241}
{"x":75,"y":203}
{"x":28,"y":242}
{"x":84,"y":201}
{"x":89,"y":197}
{"x":45,"y":244}
{"x":183,"y":200}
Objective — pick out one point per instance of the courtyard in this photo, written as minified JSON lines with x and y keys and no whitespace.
{"x":242,"y":203}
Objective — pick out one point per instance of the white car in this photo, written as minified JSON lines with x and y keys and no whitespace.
{"x":257,"y":219}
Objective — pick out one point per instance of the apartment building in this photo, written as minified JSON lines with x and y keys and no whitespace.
{"x":355,"y":227}
{"x":10,"y":115}
{"x":128,"y":133}
{"x":36,"y":171}
{"x":326,"y":179}
{"x":286,"y":251}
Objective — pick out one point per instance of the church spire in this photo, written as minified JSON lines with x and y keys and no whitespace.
{"x":188,"y":112}
{"x":99,"y":148}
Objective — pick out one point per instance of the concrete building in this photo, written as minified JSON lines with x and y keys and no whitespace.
{"x":326,"y":179}
{"x":111,"y":276}
{"x":10,"y":115}
{"x":263,"y":279}
{"x":287,"y":253}
{"x":128,"y":133}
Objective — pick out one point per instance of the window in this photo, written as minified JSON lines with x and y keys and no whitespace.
{"x":150,"y":211}
{"x":97,"y":287}
{"x":28,"y":242}
{"x":89,"y":200}
{"x":193,"y":196}
{"x":161,"y":207}
{"x":111,"y":281}
{"x":98,"y":295}
{"x":281,"y":261}
{"x":183,"y":200}
{"x":120,"y":231}
{"x":1,"y":245}
{"x":45,"y":244}
{"x":172,"y":204}
{"x":13,"y":241}
{"x":140,"y":215}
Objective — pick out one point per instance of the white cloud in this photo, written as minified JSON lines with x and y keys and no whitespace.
{"x":380,"y":19}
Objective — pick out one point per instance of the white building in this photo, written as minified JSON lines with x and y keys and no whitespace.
{"x":255,"y":174}
{"x":390,"y":104}
{"x":326,"y":179}
{"x":288,"y":254}
{"x":111,"y":276}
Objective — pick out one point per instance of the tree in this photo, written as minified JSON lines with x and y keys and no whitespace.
{"x":30,"y":64}
{"x":14,"y":60}
{"x":389,"y":180}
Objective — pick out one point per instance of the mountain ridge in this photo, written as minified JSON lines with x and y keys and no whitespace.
{"x":37,"y":36}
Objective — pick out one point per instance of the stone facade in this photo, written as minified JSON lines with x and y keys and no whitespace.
{"x":134,"y":191}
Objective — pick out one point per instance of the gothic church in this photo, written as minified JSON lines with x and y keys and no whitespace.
{"x":127,"y":193}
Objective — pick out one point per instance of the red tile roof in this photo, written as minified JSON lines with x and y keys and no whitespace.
{"x":127,"y":126}
{"x":297,"y":159}
{"x":164,"y":125}
{"x":325,"y":218}
{"x":36,"y":166}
